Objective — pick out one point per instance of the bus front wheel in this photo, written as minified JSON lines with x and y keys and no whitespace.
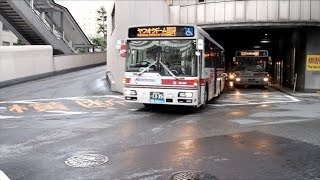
{"x":205,"y":95}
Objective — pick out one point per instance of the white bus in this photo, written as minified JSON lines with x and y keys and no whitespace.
{"x":172,"y":65}
{"x":250,"y":67}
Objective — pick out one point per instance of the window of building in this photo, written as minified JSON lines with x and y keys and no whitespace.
{"x":113,"y":19}
{"x":4,"y":43}
{"x":201,"y":1}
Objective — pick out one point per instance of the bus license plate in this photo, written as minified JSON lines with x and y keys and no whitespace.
{"x":156,"y":97}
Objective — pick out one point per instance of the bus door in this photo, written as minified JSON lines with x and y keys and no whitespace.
{"x":214,"y":70}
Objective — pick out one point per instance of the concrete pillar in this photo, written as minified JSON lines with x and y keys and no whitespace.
{"x":312,"y":78}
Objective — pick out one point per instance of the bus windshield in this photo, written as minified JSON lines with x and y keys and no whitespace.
{"x":161,"y":56}
{"x":250,"y":64}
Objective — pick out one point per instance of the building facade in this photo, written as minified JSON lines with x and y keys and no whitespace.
{"x":7,"y":38}
{"x":301,"y":17}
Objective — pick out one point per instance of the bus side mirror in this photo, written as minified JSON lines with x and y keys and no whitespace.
{"x":123,"y":50}
{"x":200,"y":45}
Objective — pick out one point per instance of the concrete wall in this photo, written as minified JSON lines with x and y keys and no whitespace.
{"x":21,"y":63}
{"x":128,"y":12}
{"x":64,"y":62}
{"x":312,"y":79}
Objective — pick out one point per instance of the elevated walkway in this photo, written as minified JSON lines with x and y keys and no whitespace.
{"x":43,"y":22}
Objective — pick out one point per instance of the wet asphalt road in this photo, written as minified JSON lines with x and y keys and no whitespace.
{"x":244,"y":134}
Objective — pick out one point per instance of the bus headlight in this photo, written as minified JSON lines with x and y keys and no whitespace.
{"x":238,"y":79}
{"x":130,"y":92}
{"x":186,"y":94}
{"x":231,"y":76}
{"x":265,"y":79}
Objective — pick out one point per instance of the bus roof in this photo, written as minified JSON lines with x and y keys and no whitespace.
{"x":198,"y":30}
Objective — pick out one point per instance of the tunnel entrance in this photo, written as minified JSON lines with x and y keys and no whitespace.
{"x":283,"y":45}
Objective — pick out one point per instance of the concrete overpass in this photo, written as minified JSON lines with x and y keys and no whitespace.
{"x":301,"y":18}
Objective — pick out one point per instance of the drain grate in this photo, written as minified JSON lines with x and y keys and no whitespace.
{"x":86,"y":160}
{"x":185,"y":175}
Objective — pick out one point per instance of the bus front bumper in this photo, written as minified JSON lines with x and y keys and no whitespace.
{"x":162,"y":96}
{"x":251,"y":81}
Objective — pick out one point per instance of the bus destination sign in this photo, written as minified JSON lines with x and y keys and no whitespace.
{"x":161,"y":31}
{"x":252,"y":53}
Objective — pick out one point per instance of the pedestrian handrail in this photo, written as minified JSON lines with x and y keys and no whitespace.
{"x":46,"y":21}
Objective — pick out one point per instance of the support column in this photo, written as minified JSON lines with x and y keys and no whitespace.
{"x":312,"y":76}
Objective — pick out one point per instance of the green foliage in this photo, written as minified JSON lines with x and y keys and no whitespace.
{"x":100,"y":42}
{"x":102,"y":21}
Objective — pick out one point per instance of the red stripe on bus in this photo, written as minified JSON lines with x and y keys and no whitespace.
{"x":177,"y":82}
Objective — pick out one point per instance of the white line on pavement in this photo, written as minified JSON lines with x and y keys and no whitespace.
{"x":246,"y":104}
{"x":3,"y":176}
{"x":246,"y":121}
{"x":64,"y":98}
{"x":284,"y":121}
{"x":292,"y":98}
{"x":10,"y":117}
{"x":67,"y":112}
{"x":249,"y":122}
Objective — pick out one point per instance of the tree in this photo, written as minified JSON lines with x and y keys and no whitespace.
{"x":100,"y":42}
{"x":102,"y":21}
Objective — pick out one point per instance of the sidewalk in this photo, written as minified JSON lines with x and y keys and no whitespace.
{"x":297,"y":94}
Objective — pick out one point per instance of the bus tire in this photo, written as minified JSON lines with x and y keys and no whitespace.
{"x":147,"y":105}
{"x":205,"y":95}
{"x":220,"y":89}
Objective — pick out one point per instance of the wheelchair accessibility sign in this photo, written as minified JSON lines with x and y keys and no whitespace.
{"x":188,"y":31}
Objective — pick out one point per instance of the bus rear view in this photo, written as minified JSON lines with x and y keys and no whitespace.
{"x":163,"y":66}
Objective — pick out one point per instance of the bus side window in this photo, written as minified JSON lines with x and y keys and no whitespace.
{"x":207,"y":52}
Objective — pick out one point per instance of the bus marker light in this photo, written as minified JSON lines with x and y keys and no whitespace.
{"x":238,"y":79}
{"x":196,"y":82}
{"x":130,"y":92}
{"x":265,"y":79}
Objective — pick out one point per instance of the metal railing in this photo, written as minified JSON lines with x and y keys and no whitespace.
{"x":51,"y":26}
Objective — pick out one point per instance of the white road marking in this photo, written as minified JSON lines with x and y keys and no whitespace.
{"x":255,"y":103}
{"x":3,"y":108}
{"x":3,"y":176}
{"x":68,"y":112}
{"x":260,"y":93}
{"x":10,"y":117}
{"x":260,"y":123}
{"x":133,"y":109}
{"x":64,"y":98}
{"x":292,"y":98}
{"x":246,"y":121}
{"x":285,"y":121}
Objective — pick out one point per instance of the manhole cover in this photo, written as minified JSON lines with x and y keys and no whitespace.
{"x":192,"y":176}
{"x":86,"y":160}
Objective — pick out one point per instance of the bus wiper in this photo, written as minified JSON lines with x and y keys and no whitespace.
{"x":147,"y":68}
{"x":166,"y":68}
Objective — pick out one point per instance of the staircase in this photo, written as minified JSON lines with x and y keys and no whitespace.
{"x":30,"y":26}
